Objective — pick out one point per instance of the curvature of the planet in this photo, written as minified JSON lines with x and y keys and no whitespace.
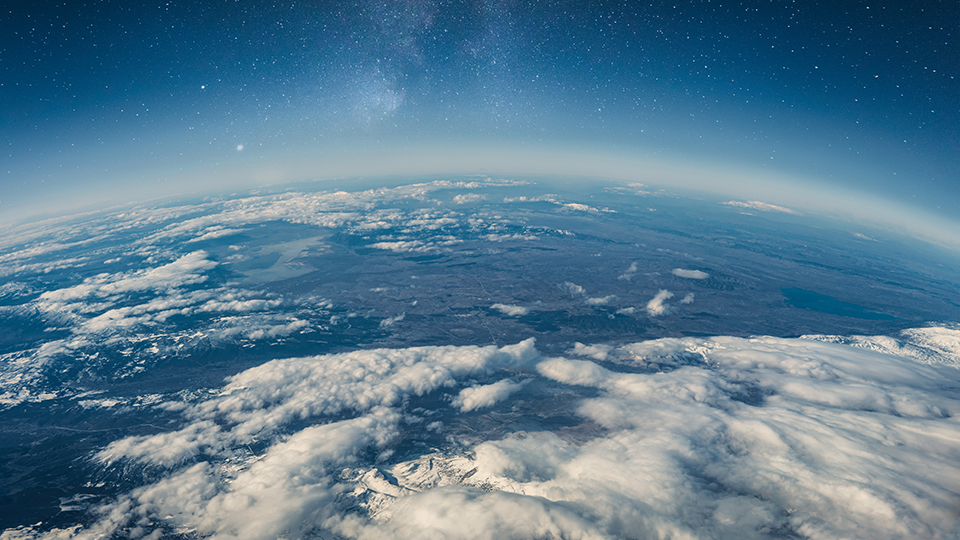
{"x":476,"y":358}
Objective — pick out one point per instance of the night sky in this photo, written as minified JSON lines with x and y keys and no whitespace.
{"x":111,"y":100}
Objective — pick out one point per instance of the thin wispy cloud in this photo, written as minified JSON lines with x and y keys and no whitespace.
{"x":757,"y":205}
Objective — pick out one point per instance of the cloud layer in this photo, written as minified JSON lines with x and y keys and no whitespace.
{"x":674,"y":438}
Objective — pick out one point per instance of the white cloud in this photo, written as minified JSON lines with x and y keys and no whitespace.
{"x":598,"y":352}
{"x":688,"y":299}
{"x":216,"y":232}
{"x":689,"y":274}
{"x":539,"y":198}
{"x":468,"y":513}
{"x":944,"y":340}
{"x":757,"y":205}
{"x":929,"y":345}
{"x":402,"y":246}
{"x":626,"y":311}
{"x":131,"y":312}
{"x":600,"y":301}
{"x":186,"y":270}
{"x":656,"y":305}
{"x":493,"y":237}
{"x":627,"y":275}
{"x":261,"y":400}
{"x":478,"y":397}
{"x":724,"y":437}
{"x":740,"y":445}
{"x":510,"y":309}
{"x":464,"y":198}
{"x":277,"y":330}
{"x":389,"y":321}
{"x":572,"y":288}
{"x":580,"y":208}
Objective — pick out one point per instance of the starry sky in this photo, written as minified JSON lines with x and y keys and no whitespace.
{"x":125,"y":99}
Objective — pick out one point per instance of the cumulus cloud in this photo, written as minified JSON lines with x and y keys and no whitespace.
{"x":252,"y":328}
{"x":929,"y":345}
{"x":724,"y":437}
{"x":600,"y":301}
{"x":578,"y":207}
{"x":140,"y":314}
{"x":216,"y":232}
{"x":627,"y":275}
{"x":468,"y":513}
{"x":657,"y":306}
{"x":477,"y":396}
{"x":186,"y":270}
{"x":510,"y":309}
{"x":743,"y":443}
{"x":261,"y":400}
{"x":539,"y":198}
{"x":389,"y":321}
{"x":690,"y":274}
{"x":464,"y":198}
{"x":688,"y":299}
{"x":402,"y":246}
{"x":572,"y":288}
{"x":598,"y":352}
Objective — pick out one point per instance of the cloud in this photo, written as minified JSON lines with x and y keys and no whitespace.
{"x":402,"y":246}
{"x":138,"y":319}
{"x":757,"y":205}
{"x":187,"y":270}
{"x":724,"y":437}
{"x":468,"y":513}
{"x":468,"y":198}
{"x":390,"y":320}
{"x":688,"y":299}
{"x":510,"y":309}
{"x":539,"y":198}
{"x":626,"y":311}
{"x":656,"y":305}
{"x":627,"y":275}
{"x":689,"y":274}
{"x":598,"y":352}
{"x":929,"y":345}
{"x":572,"y":288}
{"x":600,"y":301}
{"x":477,"y":397}
{"x":780,"y":451}
{"x":493,"y":237}
{"x":273,"y":330}
{"x":577,"y":207}
{"x":216,"y":232}
{"x":259,"y":401}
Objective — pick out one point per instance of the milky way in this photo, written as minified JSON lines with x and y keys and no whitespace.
{"x":113,"y":100}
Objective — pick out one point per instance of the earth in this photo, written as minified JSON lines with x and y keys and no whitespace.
{"x":476,"y":357}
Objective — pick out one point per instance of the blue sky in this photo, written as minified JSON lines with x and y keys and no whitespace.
{"x":106,"y":102}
